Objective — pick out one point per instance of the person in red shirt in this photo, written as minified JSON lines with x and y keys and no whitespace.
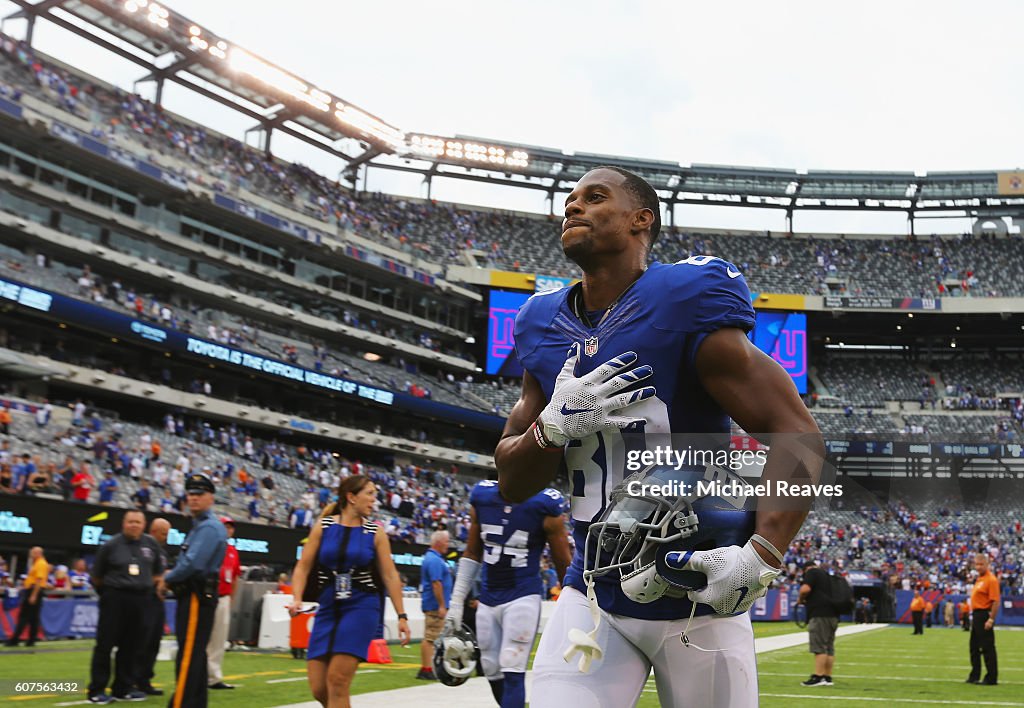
{"x":230,"y":569}
{"x":82,"y":483}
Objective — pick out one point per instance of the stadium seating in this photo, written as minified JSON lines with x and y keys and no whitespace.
{"x":982,"y":376}
{"x":295,"y":477}
{"x":896,"y":266}
{"x":872,"y":382}
{"x":926,"y":539}
{"x":243,"y":332}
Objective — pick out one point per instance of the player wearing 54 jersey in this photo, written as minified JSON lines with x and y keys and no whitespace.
{"x":505,"y":544}
{"x":649,"y":349}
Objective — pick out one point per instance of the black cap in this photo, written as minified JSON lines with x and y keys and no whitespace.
{"x":199,"y":482}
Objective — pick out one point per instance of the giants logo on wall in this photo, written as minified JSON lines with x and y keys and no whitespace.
{"x":85,"y":618}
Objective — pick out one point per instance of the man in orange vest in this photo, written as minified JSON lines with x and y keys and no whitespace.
{"x":985,"y":604}
{"x":965,"y":615}
{"x":5,"y":420}
{"x":917,"y":612}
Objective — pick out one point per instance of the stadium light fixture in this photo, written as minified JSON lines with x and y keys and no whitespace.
{"x":477,"y":153}
{"x":242,"y":61}
{"x":350,"y":115}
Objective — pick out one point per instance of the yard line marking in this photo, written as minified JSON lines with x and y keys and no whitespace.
{"x":887,"y":664}
{"x":875,"y":677}
{"x":303,"y":678}
{"x":930,"y":701}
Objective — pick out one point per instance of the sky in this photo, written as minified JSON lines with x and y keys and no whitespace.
{"x":874,"y":85}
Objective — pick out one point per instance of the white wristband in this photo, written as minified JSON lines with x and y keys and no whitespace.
{"x":767,"y":545}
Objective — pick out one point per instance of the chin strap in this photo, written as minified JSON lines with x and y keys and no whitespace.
{"x":580,"y":642}
{"x":686,"y":640}
{"x":585,"y":643}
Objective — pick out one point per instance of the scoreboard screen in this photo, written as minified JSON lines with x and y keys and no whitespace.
{"x":783,"y":337}
{"x":502,"y":309}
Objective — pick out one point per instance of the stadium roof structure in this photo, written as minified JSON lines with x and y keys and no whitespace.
{"x":173,"y":48}
{"x":170,"y":47}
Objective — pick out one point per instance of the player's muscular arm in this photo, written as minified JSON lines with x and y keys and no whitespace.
{"x":524,"y":468}
{"x":474,"y":543}
{"x":558,"y":541}
{"x":758,"y":394}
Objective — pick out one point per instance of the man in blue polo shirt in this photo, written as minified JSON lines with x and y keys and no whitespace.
{"x":435,"y":593}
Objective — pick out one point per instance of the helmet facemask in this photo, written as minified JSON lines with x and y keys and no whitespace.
{"x":633,"y":531}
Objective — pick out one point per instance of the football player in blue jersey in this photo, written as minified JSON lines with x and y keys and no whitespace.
{"x":653,"y":349}
{"x":505,"y":544}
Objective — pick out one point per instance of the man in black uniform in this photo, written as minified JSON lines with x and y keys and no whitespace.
{"x":194,"y":580}
{"x":154,"y":618}
{"x":123,"y":574}
{"x":822,"y":622}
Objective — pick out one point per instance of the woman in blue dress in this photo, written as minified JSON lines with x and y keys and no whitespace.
{"x":355,"y":557}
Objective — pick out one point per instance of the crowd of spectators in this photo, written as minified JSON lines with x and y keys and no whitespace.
{"x":64,"y":580}
{"x":103,"y":460}
{"x":908,"y":549}
{"x":926,"y":267}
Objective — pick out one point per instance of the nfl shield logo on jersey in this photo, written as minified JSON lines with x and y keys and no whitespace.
{"x":590,"y":346}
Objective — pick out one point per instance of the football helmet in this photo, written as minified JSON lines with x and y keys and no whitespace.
{"x":456,"y":655}
{"x":660,"y":511}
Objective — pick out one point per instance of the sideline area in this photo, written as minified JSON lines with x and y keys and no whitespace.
{"x":475,"y":692}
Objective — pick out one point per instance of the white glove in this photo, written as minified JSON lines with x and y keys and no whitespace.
{"x":453,"y":620}
{"x":582,"y":406}
{"x":736,"y":578}
{"x":465,"y":576}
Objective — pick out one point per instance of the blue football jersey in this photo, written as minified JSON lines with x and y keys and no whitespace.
{"x":663,"y":317}
{"x":513,"y":539}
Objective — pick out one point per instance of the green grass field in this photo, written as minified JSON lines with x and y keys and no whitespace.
{"x":892,"y":667}
{"x":887,"y":666}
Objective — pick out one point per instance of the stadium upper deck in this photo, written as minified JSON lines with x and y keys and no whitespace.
{"x":893,"y":266}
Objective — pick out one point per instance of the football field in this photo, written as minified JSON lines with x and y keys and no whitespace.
{"x":882,"y":666}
